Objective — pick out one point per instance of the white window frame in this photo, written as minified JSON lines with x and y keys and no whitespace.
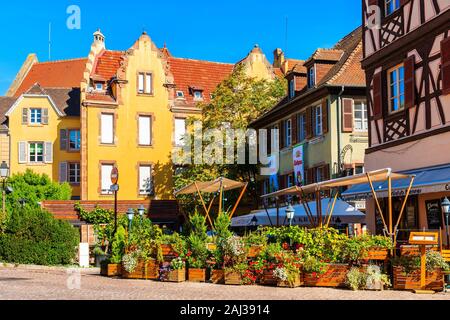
{"x":76,"y":170}
{"x":35,"y":115}
{"x":145,"y":139}
{"x":399,"y":84}
{"x":106,"y":176}
{"x":196,"y":97}
{"x":363,"y":120}
{"x":103,"y":136}
{"x":287,"y":132}
{"x":180,"y":94}
{"x":78,"y":131}
{"x":145,"y":83}
{"x":301,"y":125}
{"x":99,"y":87}
{"x":312,"y":76}
{"x":36,"y":155}
{"x":318,"y":121}
{"x":292,"y":88}
{"x":148,"y":191}
{"x":179,"y":136}
{"x":395,"y":6}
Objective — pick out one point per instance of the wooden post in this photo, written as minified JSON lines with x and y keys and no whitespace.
{"x":221,"y":197}
{"x":239,"y":200}
{"x":376,"y":201}
{"x":403,"y":208}
{"x":319,"y":208}
{"x":204,"y":205}
{"x":423,"y":266}
{"x":332,"y":209}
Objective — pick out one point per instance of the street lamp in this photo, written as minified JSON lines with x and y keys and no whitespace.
{"x":130,"y":215}
{"x":254,"y":221}
{"x":4,"y":174}
{"x":290,"y":213}
{"x":446,"y":209}
{"x":141,"y":211}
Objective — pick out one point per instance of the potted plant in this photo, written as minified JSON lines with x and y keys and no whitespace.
{"x":370,"y":278}
{"x":407,"y":273}
{"x":255,"y":243}
{"x":235,"y":260}
{"x":268,"y":260}
{"x":173,"y":246}
{"x":288,"y":271}
{"x":198,"y":253}
{"x":215,"y":263}
{"x":113,"y":266}
{"x":177,"y":271}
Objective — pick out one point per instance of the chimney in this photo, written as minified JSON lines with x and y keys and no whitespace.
{"x":99,"y":39}
{"x":278,"y":58}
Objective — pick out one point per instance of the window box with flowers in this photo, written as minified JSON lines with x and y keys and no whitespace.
{"x":288,"y":271}
{"x":174,"y":272}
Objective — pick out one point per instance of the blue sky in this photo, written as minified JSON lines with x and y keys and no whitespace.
{"x":218,"y":31}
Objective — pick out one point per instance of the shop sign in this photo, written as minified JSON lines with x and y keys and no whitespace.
{"x":299,"y":164}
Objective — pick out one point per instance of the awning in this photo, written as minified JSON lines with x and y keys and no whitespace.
{"x":343,"y":213}
{"x":211,"y":186}
{"x":428,"y":180}
{"x":376,"y":176}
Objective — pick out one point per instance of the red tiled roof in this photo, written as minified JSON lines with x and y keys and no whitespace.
{"x":55,"y":74}
{"x":296,"y":65}
{"x":351,"y":72}
{"x":207,"y":75}
{"x":107,"y":64}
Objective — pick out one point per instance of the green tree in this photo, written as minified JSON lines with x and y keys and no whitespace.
{"x":238,"y":101}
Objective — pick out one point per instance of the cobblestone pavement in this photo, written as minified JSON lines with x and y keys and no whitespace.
{"x":24,"y":284}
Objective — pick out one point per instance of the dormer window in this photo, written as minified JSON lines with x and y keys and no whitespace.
{"x":292,"y":88}
{"x":198,"y":95}
{"x":180,"y":95}
{"x":391,"y":6}
{"x":311,"y":77}
{"x":99,"y":87}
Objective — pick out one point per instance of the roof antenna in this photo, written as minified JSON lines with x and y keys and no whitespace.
{"x":50,"y":41}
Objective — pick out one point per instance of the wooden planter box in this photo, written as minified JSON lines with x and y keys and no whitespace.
{"x":267,"y":278}
{"x":334,"y":276}
{"x":197,"y":275}
{"x":167,"y":250}
{"x":411,"y":250}
{"x":378,"y":254}
{"x":217,"y":276}
{"x":147,"y":271}
{"x":434,"y":280}
{"x":298,"y":282}
{"x":233,"y":278}
{"x":111,"y":270}
{"x":177,"y":276}
{"x":254,"y":251}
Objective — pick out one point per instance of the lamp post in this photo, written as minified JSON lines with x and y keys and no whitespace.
{"x":446,"y":209}
{"x":130,"y":215}
{"x":290,"y":213}
{"x":254,"y":221}
{"x":141,"y":211}
{"x":4,"y":174}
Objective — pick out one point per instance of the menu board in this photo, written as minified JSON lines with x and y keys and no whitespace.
{"x":434,"y":214}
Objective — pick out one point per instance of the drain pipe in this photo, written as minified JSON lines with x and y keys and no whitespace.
{"x":339,"y":122}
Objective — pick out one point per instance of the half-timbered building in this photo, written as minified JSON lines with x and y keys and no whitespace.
{"x":407,"y":65}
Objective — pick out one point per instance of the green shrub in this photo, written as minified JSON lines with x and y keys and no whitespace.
{"x":118,"y":245}
{"x":356,"y":279}
{"x":33,"y":236}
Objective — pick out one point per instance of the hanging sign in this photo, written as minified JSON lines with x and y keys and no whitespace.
{"x":273,"y":169}
{"x":299,"y":164}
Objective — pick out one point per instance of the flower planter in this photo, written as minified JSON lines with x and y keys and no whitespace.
{"x":334,"y":276}
{"x":177,"y":275}
{"x":217,"y":276}
{"x":148,"y":271}
{"x":434,"y":280}
{"x":167,"y":250}
{"x":197,"y":275}
{"x":378,"y":254}
{"x":233,"y":278}
{"x":111,"y":270}
{"x":295,"y":284}
{"x":254,"y":251}
{"x":267,"y":278}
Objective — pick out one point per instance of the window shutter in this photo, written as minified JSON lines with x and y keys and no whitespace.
{"x":48,"y":152}
{"x":63,"y":139}
{"x":22,"y":152}
{"x":282,"y":133}
{"x":325,"y":116}
{"x":309,"y":123}
{"x":347,"y":115}
{"x":269,"y":141}
{"x":377,"y":95}
{"x":44,"y":116}
{"x":63,"y":172}
{"x":373,"y":2}
{"x":410,"y":82}
{"x":24,"y":116}
{"x":445,"y":68}
{"x":294,"y":130}
{"x":326,"y":172}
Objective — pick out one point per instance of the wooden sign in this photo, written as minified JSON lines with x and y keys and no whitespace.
{"x":424,"y":238}
{"x":114,"y":175}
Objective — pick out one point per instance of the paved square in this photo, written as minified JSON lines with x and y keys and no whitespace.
{"x":53,"y":284}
